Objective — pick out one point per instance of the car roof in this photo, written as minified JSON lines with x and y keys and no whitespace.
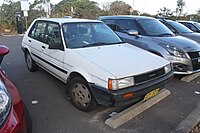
{"x":167,"y":20}
{"x":67,"y":20}
{"x":124,"y":17}
{"x":192,"y":22}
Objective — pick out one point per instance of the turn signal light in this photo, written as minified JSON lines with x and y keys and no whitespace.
{"x":128,"y":95}
{"x":110,"y":84}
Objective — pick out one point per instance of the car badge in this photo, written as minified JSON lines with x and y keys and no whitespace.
{"x":152,"y":75}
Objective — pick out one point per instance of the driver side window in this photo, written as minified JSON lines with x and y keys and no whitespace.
{"x":53,"y":34}
{"x":126,"y":25}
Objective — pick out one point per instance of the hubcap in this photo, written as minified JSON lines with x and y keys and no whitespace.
{"x":81,"y":94}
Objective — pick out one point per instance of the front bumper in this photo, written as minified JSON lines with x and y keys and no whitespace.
{"x":15,"y":122}
{"x":106,"y":97}
{"x":181,"y":65}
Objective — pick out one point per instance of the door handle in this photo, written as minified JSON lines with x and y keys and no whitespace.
{"x":43,"y":47}
{"x":29,"y":40}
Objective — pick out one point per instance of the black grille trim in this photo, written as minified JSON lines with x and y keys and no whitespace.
{"x":149,"y":76}
{"x":194,"y":54}
{"x":196,"y":64}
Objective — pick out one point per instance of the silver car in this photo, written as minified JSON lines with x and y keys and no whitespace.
{"x":181,"y":30}
{"x":150,"y":34}
{"x":192,"y":25}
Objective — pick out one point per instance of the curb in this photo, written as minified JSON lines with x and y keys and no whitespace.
{"x":189,"y":122}
{"x":131,"y":112}
{"x":11,"y":35}
{"x":191,"y":77}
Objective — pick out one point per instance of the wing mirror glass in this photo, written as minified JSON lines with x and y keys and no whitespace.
{"x":133,"y":32}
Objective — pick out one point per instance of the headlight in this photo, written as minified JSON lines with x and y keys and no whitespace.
{"x":174,"y":50}
{"x":5,"y":103}
{"x":168,"y":68}
{"x":115,"y":84}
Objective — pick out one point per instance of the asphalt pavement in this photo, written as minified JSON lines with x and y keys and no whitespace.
{"x":51,"y":110}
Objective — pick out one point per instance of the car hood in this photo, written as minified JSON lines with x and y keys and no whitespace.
{"x":183,"y":43}
{"x":122,"y":60}
{"x":194,"y":36}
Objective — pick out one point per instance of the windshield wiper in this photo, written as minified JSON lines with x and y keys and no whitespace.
{"x":165,"y":34}
{"x":117,"y":42}
{"x":96,"y":44}
{"x":100,"y":44}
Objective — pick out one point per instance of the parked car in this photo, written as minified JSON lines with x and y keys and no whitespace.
{"x":12,"y":115}
{"x":94,"y":62}
{"x":192,"y":25}
{"x":150,"y":34}
{"x":181,"y":30}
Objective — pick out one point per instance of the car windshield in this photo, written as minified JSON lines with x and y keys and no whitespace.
{"x":153,"y":27}
{"x":198,"y":25}
{"x":87,"y":34}
{"x":180,"y":27}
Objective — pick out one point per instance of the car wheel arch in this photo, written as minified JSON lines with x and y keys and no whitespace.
{"x":74,"y":74}
{"x":26,"y":50}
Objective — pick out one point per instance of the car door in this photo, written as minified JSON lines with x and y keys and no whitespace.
{"x":53,"y":51}
{"x":123,"y":26}
{"x":35,"y":40}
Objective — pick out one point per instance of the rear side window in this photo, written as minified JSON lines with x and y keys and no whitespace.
{"x":110,"y":23}
{"x":37,"y":31}
{"x":126,"y":25}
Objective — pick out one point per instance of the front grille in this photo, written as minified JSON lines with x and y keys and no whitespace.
{"x":195,"y":56}
{"x":196,"y":64}
{"x":149,"y":76}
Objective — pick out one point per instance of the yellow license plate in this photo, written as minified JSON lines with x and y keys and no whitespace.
{"x":151,"y":94}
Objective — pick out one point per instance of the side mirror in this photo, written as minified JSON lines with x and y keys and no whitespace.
{"x":174,"y":31}
{"x":133,"y":32}
{"x":55,"y":46}
{"x":3,"y":51}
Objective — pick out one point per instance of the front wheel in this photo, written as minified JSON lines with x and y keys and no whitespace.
{"x":32,"y":66}
{"x":80,"y":95}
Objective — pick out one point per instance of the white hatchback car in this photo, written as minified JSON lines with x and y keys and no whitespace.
{"x":95,"y":64}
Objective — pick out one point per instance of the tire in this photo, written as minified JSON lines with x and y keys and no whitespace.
{"x":80,"y":95}
{"x":30,"y":63}
{"x":28,"y":119}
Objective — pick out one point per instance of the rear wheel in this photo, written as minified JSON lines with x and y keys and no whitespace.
{"x":32,"y":66}
{"x":80,"y":95}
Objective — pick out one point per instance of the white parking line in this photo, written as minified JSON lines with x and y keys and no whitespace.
{"x":135,"y":110}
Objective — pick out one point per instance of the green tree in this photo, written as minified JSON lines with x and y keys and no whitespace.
{"x":36,"y":10}
{"x":198,"y":12}
{"x":146,"y":14}
{"x":135,"y":12}
{"x":180,"y":6}
{"x":8,"y":12}
{"x":81,"y":9}
{"x":165,"y":12}
{"x":120,"y":8}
